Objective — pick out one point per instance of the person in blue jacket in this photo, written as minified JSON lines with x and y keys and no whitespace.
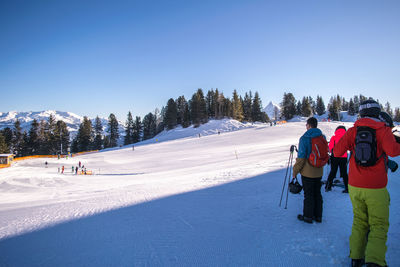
{"x":310,"y":176}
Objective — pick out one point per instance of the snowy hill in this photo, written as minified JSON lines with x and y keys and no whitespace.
{"x":209,"y":201}
{"x":72,"y":120}
{"x":273,"y":111}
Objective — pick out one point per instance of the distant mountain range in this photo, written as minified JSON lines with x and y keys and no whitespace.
{"x":72,"y":120}
{"x":7,"y":119}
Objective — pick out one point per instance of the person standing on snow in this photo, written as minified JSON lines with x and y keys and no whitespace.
{"x":336,"y":162}
{"x":367,"y":184}
{"x":311,"y":176}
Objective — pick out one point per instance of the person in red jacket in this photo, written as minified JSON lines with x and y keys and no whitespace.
{"x":336,"y":162}
{"x":367,"y":189}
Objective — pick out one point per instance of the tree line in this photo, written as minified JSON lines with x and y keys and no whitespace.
{"x":307,"y":107}
{"x":52,"y":137}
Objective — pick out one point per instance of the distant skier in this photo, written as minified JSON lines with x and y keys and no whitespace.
{"x":79,"y":164}
{"x":62,"y":170}
{"x":72,"y":169}
{"x":45,"y":164}
{"x":76,"y":170}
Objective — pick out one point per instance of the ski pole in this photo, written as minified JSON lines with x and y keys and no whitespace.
{"x":287,"y":169}
{"x":290,"y":171}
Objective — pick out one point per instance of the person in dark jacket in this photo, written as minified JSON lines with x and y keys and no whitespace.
{"x":367,"y":189}
{"x":310,"y":176}
{"x":336,"y":162}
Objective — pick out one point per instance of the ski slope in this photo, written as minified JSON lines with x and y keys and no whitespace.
{"x":189,"y":197}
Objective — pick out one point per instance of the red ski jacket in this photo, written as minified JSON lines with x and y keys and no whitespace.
{"x":335,"y":139}
{"x":373,"y":176}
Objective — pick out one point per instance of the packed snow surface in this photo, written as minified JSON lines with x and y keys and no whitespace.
{"x":205,"y":196}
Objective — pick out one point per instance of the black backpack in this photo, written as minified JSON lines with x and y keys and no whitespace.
{"x":365,"y":147}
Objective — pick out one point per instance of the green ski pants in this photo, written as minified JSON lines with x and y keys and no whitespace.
{"x":370,"y":224}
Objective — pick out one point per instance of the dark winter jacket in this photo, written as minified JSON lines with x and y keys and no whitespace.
{"x":302,"y":165}
{"x":373,"y":176}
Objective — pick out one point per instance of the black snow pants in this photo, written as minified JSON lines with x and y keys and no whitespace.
{"x":312,"y":197}
{"x":342,"y":164}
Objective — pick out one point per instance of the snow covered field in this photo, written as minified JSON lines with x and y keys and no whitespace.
{"x":180,"y":200}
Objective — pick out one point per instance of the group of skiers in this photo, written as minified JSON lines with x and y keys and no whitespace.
{"x":74,"y":169}
{"x":370,"y":142}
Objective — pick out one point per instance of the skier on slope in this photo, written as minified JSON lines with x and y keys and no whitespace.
{"x":367,"y":184}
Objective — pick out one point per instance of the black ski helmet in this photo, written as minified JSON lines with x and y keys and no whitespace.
{"x":340,"y":127}
{"x":369,"y":108}
{"x":386,"y":118}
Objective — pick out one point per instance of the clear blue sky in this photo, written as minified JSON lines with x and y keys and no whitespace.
{"x":97,"y":57}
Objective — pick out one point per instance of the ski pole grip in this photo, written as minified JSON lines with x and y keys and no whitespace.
{"x":292,"y":148}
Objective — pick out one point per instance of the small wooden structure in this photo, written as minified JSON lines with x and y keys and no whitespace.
{"x":6,"y":159}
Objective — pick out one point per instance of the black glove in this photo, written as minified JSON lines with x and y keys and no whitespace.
{"x":395,"y":167}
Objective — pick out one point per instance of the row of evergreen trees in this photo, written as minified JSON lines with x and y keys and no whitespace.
{"x":214,"y":105}
{"x":53,"y":137}
{"x":308,"y":107}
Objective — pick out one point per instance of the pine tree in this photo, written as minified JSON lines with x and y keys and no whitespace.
{"x":33,"y":140}
{"x":288,"y":106}
{"x":51,"y":139}
{"x":128,"y":139}
{"x":8,"y":134}
{"x":356,"y":104}
{"x":17,"y":139}
{"x":237,"y":107}
{"x":210,"y":103}
{"x":170,"y":117}
{"x":137,"y":130}
{"x":227,"y":108}
{"x":186,"y":118}
{"x":24,"y":145}
{"x":298,"y":108}
{"x":334,"y":108}
{"x":256,"y":113}
{"x":42,"y":136}
{"x":396,"y":115}
{"x":181,"y":105}
{"x":388,"y":109}
{"x":247,"y":102}
{"x":345,"y":105}
{"x":85,"y":135}
{"x":313,"y":105}
{"x":3,"y":145}
{"x":62,"y":135}
{"x":198,"y":111}
{"x":351,"y":110}
{"x":320,"y":107}
{"x":149,"y":126}
{"x":306,"y":110}
{"x":159,"y":120}
{"x":98,"y":131}
{"x":113,"y":130}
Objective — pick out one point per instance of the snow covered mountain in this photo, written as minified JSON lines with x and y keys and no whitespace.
{"x":72,"y":120}
{"x":273,"y":110}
